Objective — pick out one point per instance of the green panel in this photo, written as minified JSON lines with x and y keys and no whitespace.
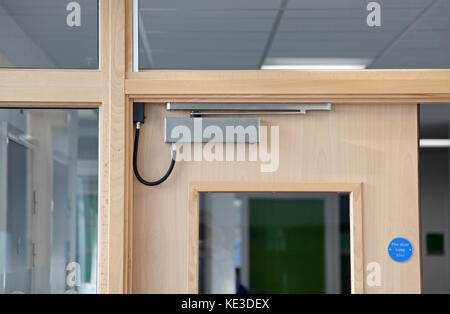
{"x":87,"y":213}
{"x":344,"y":240}
{"x":435,"y":243}
{"x":287,"y":246}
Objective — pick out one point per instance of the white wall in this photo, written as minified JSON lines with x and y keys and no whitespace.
{"x":219,"y":267}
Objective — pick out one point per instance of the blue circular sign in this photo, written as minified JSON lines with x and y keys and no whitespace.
{"x":400,"y":250}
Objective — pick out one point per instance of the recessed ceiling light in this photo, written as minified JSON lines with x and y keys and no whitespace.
{"x":316,"y":63}
{"x":435,"y":143}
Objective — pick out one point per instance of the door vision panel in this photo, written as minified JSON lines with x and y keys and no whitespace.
{"x":274,"y":243}
{"x":372,"y":144}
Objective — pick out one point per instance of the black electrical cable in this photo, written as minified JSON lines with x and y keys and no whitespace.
{"x":135,"y":168}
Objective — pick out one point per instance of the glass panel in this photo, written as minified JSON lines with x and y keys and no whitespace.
{"x":434,"y":171}
{"x":274,"y":243}
{"x":48,"y":200}
{"x":49,"y":34}
{"x":293,"y":34}
{"x":17,"y":230}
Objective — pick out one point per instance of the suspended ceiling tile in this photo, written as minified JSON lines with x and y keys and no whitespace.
{"x":209,"y":4}
{"x":44,"y":23}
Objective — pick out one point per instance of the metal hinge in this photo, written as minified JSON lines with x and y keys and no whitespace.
{"x":33,"y":254}
{"x":34,"y":200}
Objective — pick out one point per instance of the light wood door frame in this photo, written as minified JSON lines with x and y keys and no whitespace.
{"x":356,"y":235}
